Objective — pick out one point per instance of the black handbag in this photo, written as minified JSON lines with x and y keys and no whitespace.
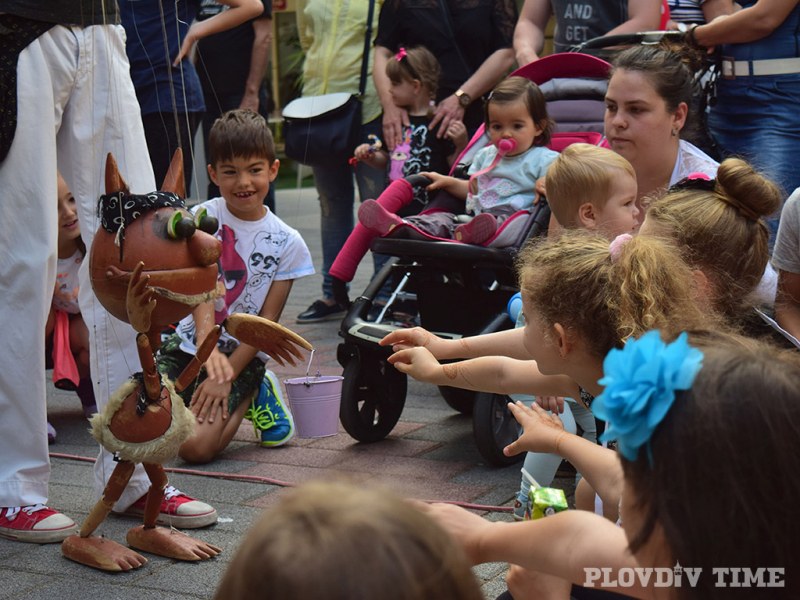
{"x":320,"y":130}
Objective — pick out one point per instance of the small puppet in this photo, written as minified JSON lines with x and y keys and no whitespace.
{"x":151,"y":263}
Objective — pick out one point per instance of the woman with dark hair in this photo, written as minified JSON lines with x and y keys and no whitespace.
{"x":647,"y":108}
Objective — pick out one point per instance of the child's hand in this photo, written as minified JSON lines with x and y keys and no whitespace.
{"x":400,"y":339}
{"x":539,"y":190}
{"x":208,"y":398}
{"x":363,"y":151}
{"x":457,"y":133}
{"x":218,"y":367}
{"x":438,"y":181}
{"x":555,"y":404}
{"x":542,"y":431}
{"x":466,"y":527}
{"x":419,"y":363}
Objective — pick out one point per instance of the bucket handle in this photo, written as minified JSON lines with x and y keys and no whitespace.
{"x":307,"y":383}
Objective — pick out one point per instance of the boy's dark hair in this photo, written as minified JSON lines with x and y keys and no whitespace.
{"x":240,"y":132}
{"x":721,"y":482}
{"x":515,"y":88}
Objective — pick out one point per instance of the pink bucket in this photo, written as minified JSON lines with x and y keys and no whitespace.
{"x":315,"y":404}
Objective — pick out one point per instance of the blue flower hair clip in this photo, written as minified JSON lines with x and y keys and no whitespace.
{"x":640,"y":382}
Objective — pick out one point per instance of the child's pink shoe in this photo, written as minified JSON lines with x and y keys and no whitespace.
{"x":376,"y":218}
{"x":478,"y":230}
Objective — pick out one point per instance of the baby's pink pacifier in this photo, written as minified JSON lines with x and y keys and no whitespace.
{"x":506,"y":145}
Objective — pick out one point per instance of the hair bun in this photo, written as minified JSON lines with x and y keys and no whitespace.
{"x":744,"y":188}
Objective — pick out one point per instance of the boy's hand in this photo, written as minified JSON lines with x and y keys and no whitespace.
{"x":218,"y":367}
{"x":419,"y":363}
{"x":542,"y":431}
{"x":208,"y":398}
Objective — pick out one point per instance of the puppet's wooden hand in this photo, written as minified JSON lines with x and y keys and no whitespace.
{"x":140,"y":302}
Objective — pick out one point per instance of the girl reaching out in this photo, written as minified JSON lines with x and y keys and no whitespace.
{"x":682,"y":503}
{"x":581,"y":297}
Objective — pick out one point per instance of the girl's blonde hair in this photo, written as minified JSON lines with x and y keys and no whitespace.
{"x":332,"y":540}
{"x":415,"y":63}
{"x":582,"y":173}
{"x":719,"y":228}
{"x":574,"y":280}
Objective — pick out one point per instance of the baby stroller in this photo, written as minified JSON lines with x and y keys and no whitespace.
{"x":456,"y":289}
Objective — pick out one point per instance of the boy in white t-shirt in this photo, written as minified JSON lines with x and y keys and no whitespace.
{"x":261,"y":257}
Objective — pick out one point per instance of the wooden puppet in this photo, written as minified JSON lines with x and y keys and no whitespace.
{"x":151,"y":263}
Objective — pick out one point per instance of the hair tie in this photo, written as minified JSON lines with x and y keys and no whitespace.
{"x":640,"y":382}
{"x":615,"y":247}
{"x":401,"y":54}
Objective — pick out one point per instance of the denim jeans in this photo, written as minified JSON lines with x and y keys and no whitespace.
{"x":757,"y":118}
{"x":336,"y":191}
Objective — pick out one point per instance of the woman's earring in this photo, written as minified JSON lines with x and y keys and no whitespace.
{"x":674,"y":132}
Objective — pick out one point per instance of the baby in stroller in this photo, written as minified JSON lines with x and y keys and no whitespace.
{"x":502,"y":176}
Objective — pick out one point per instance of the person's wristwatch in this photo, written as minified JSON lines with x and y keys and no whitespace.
{"x":464,"y":98}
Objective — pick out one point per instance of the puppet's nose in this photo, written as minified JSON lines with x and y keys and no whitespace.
{"x":204,"y":248}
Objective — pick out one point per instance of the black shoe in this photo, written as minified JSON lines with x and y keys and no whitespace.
{"x":321,"y":311}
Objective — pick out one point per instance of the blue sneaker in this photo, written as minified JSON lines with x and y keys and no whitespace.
{"x":270,"y":415}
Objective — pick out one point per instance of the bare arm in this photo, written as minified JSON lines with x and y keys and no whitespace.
{"x":455,"y":186}
{"x":239,"y":12}
{"x":502,"y":343}
{"x":715,"y":8}
{"x":565,"y":544}
{"x":497,"y":374}
{"x":746,"y":25}
{"x":491,"y":71}
{"x":643,"y":15}
{"x":529,"y":32}
{"x":259,"y":57}
{"x":394,"y":117}
{"x":787,"y":302}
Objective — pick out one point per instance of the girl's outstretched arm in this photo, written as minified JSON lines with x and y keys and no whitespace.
{"x":574,"y":545}
{"x":498,"y":374}
{"x":502,"y":343}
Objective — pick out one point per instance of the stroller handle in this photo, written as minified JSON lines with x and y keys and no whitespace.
{"x":628,"y":39}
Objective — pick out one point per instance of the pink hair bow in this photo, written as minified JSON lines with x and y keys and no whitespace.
{"x":401,"y":54}
{"x":615,"y":247}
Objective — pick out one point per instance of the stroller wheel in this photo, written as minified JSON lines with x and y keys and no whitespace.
{"x":494,"y":428}
{"x":458,"y":399}
{"x":373,"y":396}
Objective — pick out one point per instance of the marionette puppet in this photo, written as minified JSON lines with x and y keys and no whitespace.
{"x":151,"y":263}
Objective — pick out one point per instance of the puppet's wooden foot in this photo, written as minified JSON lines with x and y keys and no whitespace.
{"x":170,"y":543}
{"x":101,"y":553}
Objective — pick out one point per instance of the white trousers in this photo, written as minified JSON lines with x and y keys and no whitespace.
{"x":76,"y":103}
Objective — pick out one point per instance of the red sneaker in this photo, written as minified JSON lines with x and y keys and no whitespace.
{"x":177,"y":510}
{"x":36,"y":523}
